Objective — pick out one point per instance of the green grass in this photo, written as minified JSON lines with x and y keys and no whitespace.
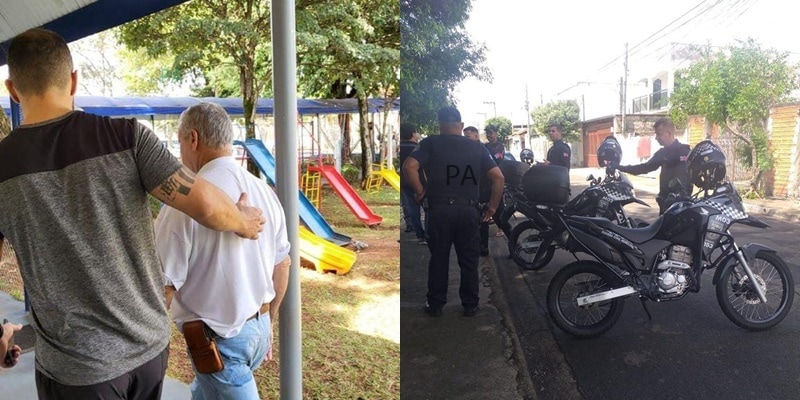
{"x":351,"y":323}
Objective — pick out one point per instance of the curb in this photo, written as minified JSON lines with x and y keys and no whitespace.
{"x":771,"y":212}
{"x":525,"y":385}
{"x":750,"y":208}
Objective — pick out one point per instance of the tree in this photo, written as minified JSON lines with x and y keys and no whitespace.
{"x":203,"y":34}
{"x":350,"y":48}
{"x":734,"y":89}
{"x":97,"y":60}
{"x":227,"y":44}
{"x":503,"y":126}
{"x":564,"y":113}
{"x":436,"y":54}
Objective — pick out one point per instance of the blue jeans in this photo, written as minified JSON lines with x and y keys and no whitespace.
{"x":412,"y":211}
{"x":241,"y":355}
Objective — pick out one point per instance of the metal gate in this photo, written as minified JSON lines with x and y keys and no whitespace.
{"x":736,"y":172}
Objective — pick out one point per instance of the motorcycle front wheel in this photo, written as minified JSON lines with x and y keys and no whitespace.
{"x":740,"y":302}
{"x":524,"y":244}
{"x":575,"y":280}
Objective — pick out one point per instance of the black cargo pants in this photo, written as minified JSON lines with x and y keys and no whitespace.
{"x":453,"y":225}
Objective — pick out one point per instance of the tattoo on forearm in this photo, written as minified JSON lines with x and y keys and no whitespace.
{"x":171,"y":185}
{"x":185,"y":177}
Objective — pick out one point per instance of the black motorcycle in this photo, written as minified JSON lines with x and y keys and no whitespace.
{"x":664,"y":262}
{"x":533,"y":242}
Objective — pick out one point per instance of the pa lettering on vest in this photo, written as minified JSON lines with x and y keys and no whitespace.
{"x":454,"y":172}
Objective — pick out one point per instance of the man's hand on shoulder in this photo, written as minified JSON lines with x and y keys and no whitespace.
{"x":253,"y":219}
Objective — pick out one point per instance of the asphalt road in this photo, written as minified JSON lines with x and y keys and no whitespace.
{"x":689,"y":350}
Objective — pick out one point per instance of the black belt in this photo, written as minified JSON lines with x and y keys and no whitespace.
{"x":263,"y":310}
{"x":451,"y":201}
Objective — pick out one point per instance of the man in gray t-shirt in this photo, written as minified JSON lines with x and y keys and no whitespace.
{"x":73,"y":203}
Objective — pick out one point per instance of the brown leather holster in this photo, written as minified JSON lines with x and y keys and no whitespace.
{"x":202,"y":347}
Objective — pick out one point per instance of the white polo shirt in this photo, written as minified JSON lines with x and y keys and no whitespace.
{"x":220,"y":277}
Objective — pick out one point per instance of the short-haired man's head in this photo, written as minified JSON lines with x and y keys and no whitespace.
{"x":39,"y":59}
{"x":666,"y":122}
{"x":472,"y":133}
{"x":448,"y":115}
{"x":555,"y":131}
{"x":450,"y":120}
{"x":407,"y":130}
{"x":213,"y":125}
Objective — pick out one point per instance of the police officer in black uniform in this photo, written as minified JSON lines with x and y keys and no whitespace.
{"x":674,"y":182}
{"x":559,"y":153}
{"x":453,"y":165}
{"x":411,"y":209}
{"x":497,"y":151}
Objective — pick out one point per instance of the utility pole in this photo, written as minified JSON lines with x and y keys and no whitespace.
{"x":624,"y":88}
{"x":528,"y":113}
{"x":583,"y":107}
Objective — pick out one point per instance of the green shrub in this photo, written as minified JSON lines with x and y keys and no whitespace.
{"x":351,"y":173}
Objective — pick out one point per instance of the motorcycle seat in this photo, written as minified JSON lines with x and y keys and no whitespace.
{"x":635,"y":235}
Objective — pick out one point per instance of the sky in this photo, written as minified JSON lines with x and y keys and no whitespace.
{"x":550,"y":46}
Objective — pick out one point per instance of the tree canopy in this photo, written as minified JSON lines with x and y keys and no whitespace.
{"x":227,"y":43}
{"x":564,"y":113}
{"x":734,"y":88}
{"x":436,"y":54}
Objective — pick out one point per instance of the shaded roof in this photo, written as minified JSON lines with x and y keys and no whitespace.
{"x":127,"y":106}
{"x":72,"y":19}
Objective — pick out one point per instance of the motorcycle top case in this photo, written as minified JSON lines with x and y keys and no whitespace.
{"x":513,"y":171}
{"x":546,"y":184}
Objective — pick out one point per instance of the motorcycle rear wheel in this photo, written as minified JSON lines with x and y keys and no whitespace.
{"x":741,"y":304}
{"x":522,"y":250}
{"x":579,"y":279}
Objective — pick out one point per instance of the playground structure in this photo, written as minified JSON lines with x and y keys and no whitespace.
{"x":349,"y":196}
{"x":380,"y":175}
{"x":322,"y":247}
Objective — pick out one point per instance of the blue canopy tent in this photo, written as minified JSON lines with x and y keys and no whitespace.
{"x":75,"y":19}
{"x":129,"y":106}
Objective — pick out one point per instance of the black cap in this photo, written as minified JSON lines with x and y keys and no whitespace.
{"x":490,"y":128}
{"x":449,"y":114}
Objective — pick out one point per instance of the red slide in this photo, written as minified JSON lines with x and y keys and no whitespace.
{"x":348,"y":195}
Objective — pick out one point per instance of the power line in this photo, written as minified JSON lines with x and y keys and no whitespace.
{"x":701,"y":13}
{"x":738,"y":9}
{"x":655,"y":33}
{"x":674,"y":44}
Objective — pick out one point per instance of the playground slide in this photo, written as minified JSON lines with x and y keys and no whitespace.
{"x":308,"y":213}
{"x":391,"y":176}
{"x":326,"y":256}
{"x":353,"y":201}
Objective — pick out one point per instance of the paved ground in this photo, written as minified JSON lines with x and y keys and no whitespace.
{"x":484,"y":357}
{"x":689,"y":350}
{"x":18,"y":383}
{"x":455,"y":357}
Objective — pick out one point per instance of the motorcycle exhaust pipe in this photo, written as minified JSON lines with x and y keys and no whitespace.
{"x":607,"y":295}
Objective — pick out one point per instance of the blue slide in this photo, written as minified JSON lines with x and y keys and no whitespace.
{"x":308,"y":213}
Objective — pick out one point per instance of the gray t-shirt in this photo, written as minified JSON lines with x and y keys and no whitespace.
{"x":73,"y":203}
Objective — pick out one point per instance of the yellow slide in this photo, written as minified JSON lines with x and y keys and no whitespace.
{"x":326,"y":256}
{"x":389,"y":175}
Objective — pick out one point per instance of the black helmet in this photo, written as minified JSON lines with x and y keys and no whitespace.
{"x":706,"y":165}
{"x":526,"y":155}
{"x":609,"y":152}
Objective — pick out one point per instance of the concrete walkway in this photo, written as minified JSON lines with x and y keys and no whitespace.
{"x":18,"y":383}
{"x":456,"y":357}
